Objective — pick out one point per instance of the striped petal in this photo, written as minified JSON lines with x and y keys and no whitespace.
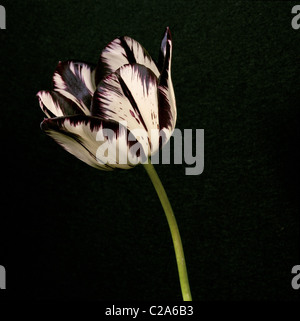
{"x":76,"y":81}
{"x":130,"y":95}
{"x":99,"y":143}
{"x":122,"y":51}
{"x":55,"y":104}
{"x":166,"y":96}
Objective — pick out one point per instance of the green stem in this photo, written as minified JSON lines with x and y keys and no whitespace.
{"x":183,"y":277}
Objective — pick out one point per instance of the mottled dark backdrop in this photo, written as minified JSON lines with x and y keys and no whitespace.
{"x":70,"y":232}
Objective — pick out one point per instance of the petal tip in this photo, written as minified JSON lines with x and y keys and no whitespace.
{"x":168,"y":33}
{"x":39,"y":94}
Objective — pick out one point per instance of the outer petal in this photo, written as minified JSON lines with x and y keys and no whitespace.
{"x":122,"y":51}
{"x":76,"y":81}
{"x":166,"y":96}
{"x":130,"y":95}
{"x":55,"y":104}
{"x":82,"y":136}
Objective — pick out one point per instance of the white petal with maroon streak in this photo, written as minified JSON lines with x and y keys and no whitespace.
{"x":122,"y":51}
{"x":55,"y":104}
{"x":76,"y":81}
{"x":81,"y":136}
{"x":130,"y":95}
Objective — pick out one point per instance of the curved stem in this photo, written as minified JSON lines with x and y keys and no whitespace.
{"x":183,"y":277}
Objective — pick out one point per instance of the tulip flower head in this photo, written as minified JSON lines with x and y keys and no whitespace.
{"x":114,"y":114}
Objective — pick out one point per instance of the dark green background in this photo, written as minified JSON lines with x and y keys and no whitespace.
{"x":70,"y":232}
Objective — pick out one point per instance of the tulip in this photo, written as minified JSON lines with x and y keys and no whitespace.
{"x":126,"y":94}
{"x":97,"y":112}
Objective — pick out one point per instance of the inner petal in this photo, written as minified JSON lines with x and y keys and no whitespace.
{"x":76,"y":81}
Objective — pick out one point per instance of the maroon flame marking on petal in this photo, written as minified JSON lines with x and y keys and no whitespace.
{"x":74,"y":83}
{"x":128,"y":52}
{"x":165,"y":115}
{"x":132,"y":101}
